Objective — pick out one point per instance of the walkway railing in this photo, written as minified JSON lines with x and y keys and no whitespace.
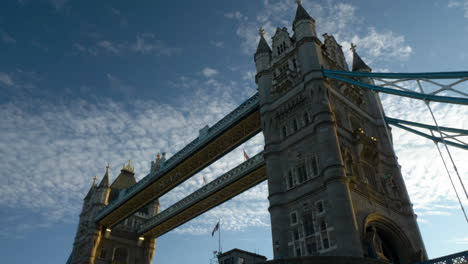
{"x":237,"y":114}
{"x":458,"y":258}
{"x":213,"y":186}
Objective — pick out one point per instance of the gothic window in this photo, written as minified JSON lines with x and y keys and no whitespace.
{"x":306,"y":118}
{"x":293,"y":218}
{"x":301,"y":173}
{"x":308,"y":223}
{"x":295,"y":125}
{"x":311,"y":246}
{"x":296,"y":234}
{"x":294,"y":63}
{"x":319,"y":206}
{"x":298,"y":252}
{"x":284,"y":132}
{"x":323,"y":225}
{"x":290,"y":180}
{"x":326,"y":243}
{"x":314,"y":166}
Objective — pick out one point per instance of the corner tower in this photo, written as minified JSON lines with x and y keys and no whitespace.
{"x":100,"y":245}
{"x":335,"y":188}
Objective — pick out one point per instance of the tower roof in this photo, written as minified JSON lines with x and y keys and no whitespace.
{"x":262,"y":44}
{"x":128,"y":167}
{"x":91,"y":189}
{"x":358,"y":63}
{"x":301,"y":13}
{"x":105,"y":180}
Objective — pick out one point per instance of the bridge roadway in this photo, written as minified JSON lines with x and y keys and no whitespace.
{"x":223,"y":188}
{"x":231,"y":131}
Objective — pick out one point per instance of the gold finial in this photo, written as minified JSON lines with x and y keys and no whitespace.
{"x":128,"y":167}
{"x":158,"y":156}
{"x":94,"y":180}
{"x":353,"y":47}
{"x":107,"y":168}
{"x":261,"y":31}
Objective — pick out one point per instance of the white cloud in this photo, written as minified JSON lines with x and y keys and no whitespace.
{"x":235,"y":15}
{"x":218,"y":44}
{"x":148,"y":44}
{"x":58,"y":4}
{"x":145,"y":43}
{"x":56,"y":148}
{"x":7,"y":38}
{"x":6,"y":79}
{"x":373,"y":44}
{"x":109,"y":46}
{"x":209,"y":72}
{"x":460,"y":241}
{"x":119,"y":86}
{"x":463,"y":4}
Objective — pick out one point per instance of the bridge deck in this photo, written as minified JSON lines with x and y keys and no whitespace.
{"x":225,"y":187}
{"x":231,"y":131}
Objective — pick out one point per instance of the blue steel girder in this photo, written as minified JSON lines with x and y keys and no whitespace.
{"x":446,"y":138}
{"x":396,"y":89}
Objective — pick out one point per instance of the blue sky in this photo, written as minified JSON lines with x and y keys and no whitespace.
{"x":84,"y":83}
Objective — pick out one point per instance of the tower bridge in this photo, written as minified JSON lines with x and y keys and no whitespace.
{"x":335,"y":187}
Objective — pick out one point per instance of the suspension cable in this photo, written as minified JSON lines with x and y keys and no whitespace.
{"x":450,"y":155}
{"x":443,"y":140}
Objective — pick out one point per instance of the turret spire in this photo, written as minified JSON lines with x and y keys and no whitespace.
{"x":128,"y":167}
{"x":358,"y":63}
{"x":91,"y":190}
{"x":262,"y":44}
{"x":105,"y":180}
{"x":301,"y":13}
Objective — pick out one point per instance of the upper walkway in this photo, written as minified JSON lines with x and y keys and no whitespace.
{"x":212,"y":143}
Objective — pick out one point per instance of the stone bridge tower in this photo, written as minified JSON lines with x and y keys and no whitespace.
{"x":96,"y":245}
{"x":335,"y":187}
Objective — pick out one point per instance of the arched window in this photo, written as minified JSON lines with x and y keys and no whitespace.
{"x":284,"y":132}
{"x":295,"y":125}
{"x":323,"y":225}
{"x":306,"y":118}
{"x":326,"y":243}
{"x":290,"y":179}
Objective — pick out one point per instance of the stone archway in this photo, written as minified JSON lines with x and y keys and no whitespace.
{"x":384,"y":240}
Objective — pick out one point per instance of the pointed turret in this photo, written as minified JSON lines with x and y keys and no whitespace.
{"x":358,"y":63}
{"x":91,"y":189}
{"x":263,"y":53}
{"x":263,"y":46}
{"x":301,"y":14}
{"x":105,"y":180}
{"x":304,"y":24}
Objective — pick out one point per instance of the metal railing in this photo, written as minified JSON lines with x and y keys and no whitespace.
{"x":213,"y":186}
{"x":457,"y":258}
{"x":237,"y":114}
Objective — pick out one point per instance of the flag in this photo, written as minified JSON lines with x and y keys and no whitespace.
{"x":245,"y":155}
{"x":204,"y":180}
{"x":215,"y":229}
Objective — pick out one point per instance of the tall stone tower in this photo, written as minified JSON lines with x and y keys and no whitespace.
{"x":335,"y":187}
{"x":96,"y":245}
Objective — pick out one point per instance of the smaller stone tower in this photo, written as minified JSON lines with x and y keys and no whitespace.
{"x":121,"y":244}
